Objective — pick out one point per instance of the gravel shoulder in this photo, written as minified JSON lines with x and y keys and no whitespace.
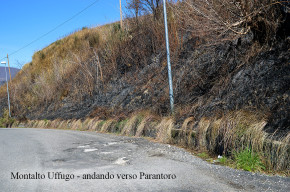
{"x":80,"y":153}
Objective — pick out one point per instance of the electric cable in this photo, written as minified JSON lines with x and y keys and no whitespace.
{"x":52,"y":30}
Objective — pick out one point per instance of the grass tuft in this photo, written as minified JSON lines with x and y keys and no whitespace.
{"x":248,"y":160}
{"x":238,"y":136}
{"x":142,"y":126}
{"x":131,"y":126}
{"x":107,"y":125}
{"x":187,"y":131}
{"x":164,"y":129}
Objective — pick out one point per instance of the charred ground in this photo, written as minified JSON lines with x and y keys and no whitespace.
{"x":111,"y":72}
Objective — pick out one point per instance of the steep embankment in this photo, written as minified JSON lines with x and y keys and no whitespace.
{"x":107,"y":71}
{"x":209,"y":81}
{"x":230,"y":74}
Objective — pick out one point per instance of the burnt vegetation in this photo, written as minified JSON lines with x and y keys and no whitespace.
{"x":227,"y":56}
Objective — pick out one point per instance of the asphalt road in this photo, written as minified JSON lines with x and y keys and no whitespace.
{"x":62,"y":160}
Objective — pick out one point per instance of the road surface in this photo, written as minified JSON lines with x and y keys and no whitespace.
{"x":64,"y":160}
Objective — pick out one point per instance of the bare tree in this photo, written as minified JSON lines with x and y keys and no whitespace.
{"x":226,"y":19}
{"x":153,"y":6}
{"x":149,"y":6}
{"x":136,"y":7}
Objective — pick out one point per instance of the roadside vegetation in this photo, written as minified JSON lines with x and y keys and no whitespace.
{"x":240,"y":142}
{"x":226,"y":58}
{"x":85,"y":62}
{"x":6,"y":121}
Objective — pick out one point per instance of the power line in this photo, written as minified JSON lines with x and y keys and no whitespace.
{"x":55,"y":28}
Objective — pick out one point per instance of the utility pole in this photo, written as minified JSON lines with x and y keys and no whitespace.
{"x":121,"y":18}
{"x":168,"y":60}
{"x":9,"y":68}
{"x":4,"y":62}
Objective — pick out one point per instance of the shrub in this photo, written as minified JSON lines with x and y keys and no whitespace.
{"x":248,"y":160}
{"x":221,"y":20}
{"x":6,"y":121}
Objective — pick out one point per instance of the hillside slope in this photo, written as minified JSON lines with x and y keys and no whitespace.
{"x":205,"y":86}
{"x":112,"y":72}
{"x":13,"y":72}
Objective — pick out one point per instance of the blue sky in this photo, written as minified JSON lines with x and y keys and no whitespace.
{"x":22,"y":22}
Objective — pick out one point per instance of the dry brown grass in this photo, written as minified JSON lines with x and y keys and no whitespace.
{"x":85,"y":124}
{"x":283,"y":157}
{"x":276,"y":154}
{"x":164,"y":129}
{"x":237,"y":131}
{"x":131,"y":125}
{"x":227,"y":135}
{"x":202,"y":129}
{"x":78,"y":55}
{"x":91,"y":123}
{"x":234,"y":131}
{"x":213,"y":134}
{"x":82,"y":63}
{"x":97,"y":125}
{"x":31,"y":123}
{"x":62,"y":124}
{"x":42,"y":124}
{"x":16,"y":124}
{"x":142,"y":126}
{"x":187,"y":132}
{"x":108,"y":125}
{"x":55,"y":123}
{"x":76,"y":124}
{"x":220,"y":20}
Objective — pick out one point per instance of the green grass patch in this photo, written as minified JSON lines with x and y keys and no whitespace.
{"x":102,"y":123}
{"x":120,"y":125}
{"x":6,"y":121}
{"x":248,"y":160}
{"x":203,"y":155}
{"x":223,"y":160}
